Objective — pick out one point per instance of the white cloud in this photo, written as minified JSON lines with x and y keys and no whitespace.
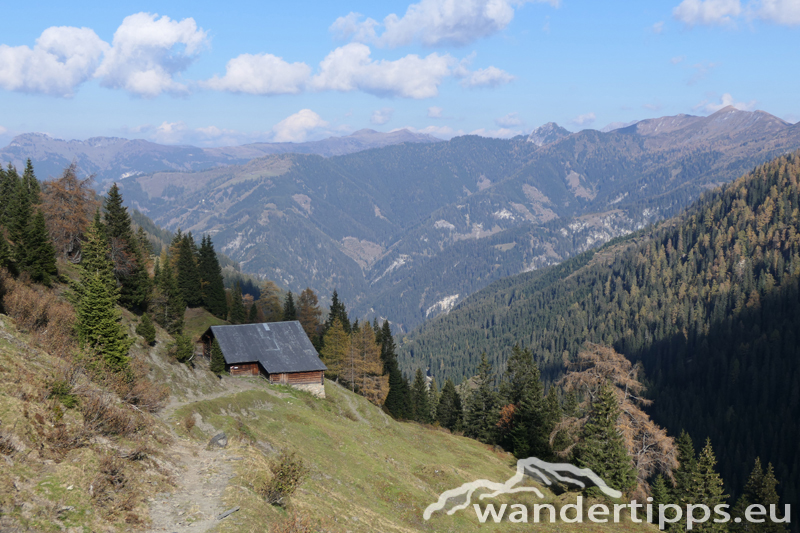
{"x":677,"y":59}
{"x":658,"y":27}
{"x":443,"y":132}
{"x":62,"y":58}
{"x":725,"y":101}
{"x":350,"y":68}
{"x":435,"y":112}
{"x":720,"y":12}
{"x":169,"y":132}
{"x":785,"y":12}
{"x":381,"y":116}
{"x":501,"y":133}
{"x":487,"y":77}
{"x":3,"y":130}
{"x":261,"y":74}
{"x":584,"y":120}
{"x":148,"y":52}
{"x":509,"y":121}
{"x":433,"y":22}
{"x":295,"y":128}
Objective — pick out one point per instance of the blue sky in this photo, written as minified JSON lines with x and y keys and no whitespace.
{"x":239,"y":71}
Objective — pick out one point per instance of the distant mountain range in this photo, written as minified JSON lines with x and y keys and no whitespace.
{"x":407,"y":231}
{"x":115,"y":158}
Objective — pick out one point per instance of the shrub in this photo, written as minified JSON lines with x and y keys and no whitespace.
{"x":297,"y":523}
{"x":61,"y":390}
{"x":146,"y":330}
{"x":182,"y":349}
{"x":101,"y":415}
{"x":189,"y":422}
{"x":288,"y":471}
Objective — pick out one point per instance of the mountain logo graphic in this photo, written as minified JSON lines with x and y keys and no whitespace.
{"x":547,"y":473}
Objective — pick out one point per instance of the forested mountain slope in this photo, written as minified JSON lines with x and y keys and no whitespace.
{"x":408,"y":230}
{"x":709,"y":301}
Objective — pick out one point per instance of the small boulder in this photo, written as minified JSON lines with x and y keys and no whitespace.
{"x":220,"y":440}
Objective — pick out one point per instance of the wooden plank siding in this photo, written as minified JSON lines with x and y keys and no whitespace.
{"x":244,"y":369}
{"x":293,"y":378}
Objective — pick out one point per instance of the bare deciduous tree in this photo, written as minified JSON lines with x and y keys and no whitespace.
{"x":68,"y":204}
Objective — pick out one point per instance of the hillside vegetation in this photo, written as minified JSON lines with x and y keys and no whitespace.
{"x":708,"y":302}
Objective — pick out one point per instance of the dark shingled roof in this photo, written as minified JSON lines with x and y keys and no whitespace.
{"x":278,"y":346}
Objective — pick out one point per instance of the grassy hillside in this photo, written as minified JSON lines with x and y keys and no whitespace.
{"x":368,"y":472}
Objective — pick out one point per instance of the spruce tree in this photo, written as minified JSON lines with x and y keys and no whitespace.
{"x":308,"y":313}
{"x":433,"y":398}
{"x":706,"y":487}
{"x":687,"y":465}
{"x":338,"y":311}
{"x":41,"y":258}
{"x":289,"y":310}
{"x":449,"y":412}
{"x":129,"y":262}
{"x":217,"y":365}
{"x":146,"y":330}
{"x":98,"y":322}
{"x":6,"y":258}
{"x":482,"y":406}
{"x":211,"y":279}
{"x":522,"y":387}
{"x":252,"y":315}
{"x":167,"y":304}
{"x":398,"y":400}
{"x":419,"y":398}
{"x":188,"y":276}
{"x":602,"y":449}
{"x":237,"y":307}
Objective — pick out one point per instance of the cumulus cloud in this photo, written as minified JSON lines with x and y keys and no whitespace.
{"x":296,"y":128}
{"x":147,"y":53}
{"x":381,"y":116}
{"x":350,"y":68}
{"x":725,"y":101}
{"x":708,"y":12}
{"x":584,"y":120}
{"x":435,"y":112}
{"x":509,"y":121}
{"x":785,"y":12}
{"x":62,"y":58}
{"x":433,"y":22}
{"x":486,"y":77}
{"x":263,"y":74}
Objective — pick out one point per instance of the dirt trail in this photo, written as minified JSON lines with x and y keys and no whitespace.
{"x":201,"y":476}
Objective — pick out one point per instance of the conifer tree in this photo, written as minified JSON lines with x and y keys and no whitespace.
{"x":6,"y":259}
{"x":236,"y":307}
{"x":433,"y":398}
{"x":127,"y":258}
{"x":252,"y":314}
{"x":335,"y":350}
{"x":760,"y":489}
{"x":602,"y":448}
{"x":419,"y":398}
{"x":363,"y":368}
{"x":167,"y":304}
{"x":398,"y":399}
{"x":660,"y":492}
{"x":270,"y":303}
{"x":41,"y":256}
{"x":482,"y":405}
{"x":338,"y":311}
{"x":706,"y":487}
{"x":217,"y":365}
{"x":188,"y":276}
{"x":522,"y":388}
{"x":98,"y":319}
{"x":289,"y":310}
{"x":308,"y":313}
{"x":182,"y":349}
{"x":449,"y":412}
{"x":686,"y":470}
{"x":213,"y":292}
{"x":146,"y":330}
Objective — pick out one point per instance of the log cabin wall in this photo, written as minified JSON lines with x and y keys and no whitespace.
{"x":243,"y":369}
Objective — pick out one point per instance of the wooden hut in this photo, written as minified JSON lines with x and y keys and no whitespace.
{"x":279,"y":351}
